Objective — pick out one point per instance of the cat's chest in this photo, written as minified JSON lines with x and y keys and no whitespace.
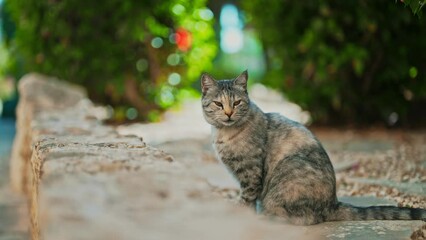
{"x":232,"y":141}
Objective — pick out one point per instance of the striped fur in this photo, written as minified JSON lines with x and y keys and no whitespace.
{"x":278,"y":162}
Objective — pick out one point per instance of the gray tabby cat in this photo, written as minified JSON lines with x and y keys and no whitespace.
{"x":278,"y":162}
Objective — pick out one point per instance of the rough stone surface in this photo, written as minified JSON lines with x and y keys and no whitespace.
{"x":357,"y":155}
{"x":37,"y":94}
{"x":85,"y":181}
{"x":197,"y":155}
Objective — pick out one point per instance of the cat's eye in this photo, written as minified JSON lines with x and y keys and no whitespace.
{"x":219,"y":104}
{"x":236,"y":103}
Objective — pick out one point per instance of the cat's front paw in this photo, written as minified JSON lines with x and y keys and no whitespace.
{"x":246,"y":203}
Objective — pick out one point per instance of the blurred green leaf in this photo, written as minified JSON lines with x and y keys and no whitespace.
{"x":345,"y":62}
{"x":100,"y":46}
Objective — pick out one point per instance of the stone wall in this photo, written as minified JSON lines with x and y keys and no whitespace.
{"x":85,"y":181}
{"x":37,"y":94}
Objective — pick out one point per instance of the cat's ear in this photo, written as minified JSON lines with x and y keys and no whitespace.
{"x":207,"y":82}
{"x":241,"y":80}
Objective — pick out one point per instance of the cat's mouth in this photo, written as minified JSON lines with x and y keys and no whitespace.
{"x":229,"y":121}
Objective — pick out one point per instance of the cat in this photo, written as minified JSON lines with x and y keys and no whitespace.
{"x":278,"y":162}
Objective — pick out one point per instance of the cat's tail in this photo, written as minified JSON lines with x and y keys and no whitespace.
{"x":347,"y":212}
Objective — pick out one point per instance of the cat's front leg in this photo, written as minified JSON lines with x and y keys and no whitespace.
{"x":250,"y":179}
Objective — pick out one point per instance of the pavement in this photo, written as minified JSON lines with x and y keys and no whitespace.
{"x":198,"y":156}
{"x":374,"y":166}
{"x":13,"y":224}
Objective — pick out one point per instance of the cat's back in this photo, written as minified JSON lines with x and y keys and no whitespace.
{"x":287,"y":137}
{"x":276,"y":120}
{"x":279,"y":125}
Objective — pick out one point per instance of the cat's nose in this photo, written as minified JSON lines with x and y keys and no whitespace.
{"x":229,"y":114}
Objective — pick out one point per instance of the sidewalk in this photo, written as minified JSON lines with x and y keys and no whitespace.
{"x":364,"y":183}
{"x":88,"y":182}
{"x":374,"y":167}
{"x":12,"y":207}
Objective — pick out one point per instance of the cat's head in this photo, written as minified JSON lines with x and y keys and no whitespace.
{"x":225,"y":102}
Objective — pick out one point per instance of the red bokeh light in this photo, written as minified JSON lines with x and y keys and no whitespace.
{"x":183,"y":39}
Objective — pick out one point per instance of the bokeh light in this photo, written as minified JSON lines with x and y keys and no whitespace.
{"x":173,"y":59}
{"x":131,"y":113}
{"x":178,"y":9}
{"x":157,"y":42}
{"x":174,"y":79}
{"x":142,"y":65}
{"x":231,"y":35}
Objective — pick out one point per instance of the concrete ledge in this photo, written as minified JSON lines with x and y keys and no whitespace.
{"x":85,"y":181}
{"x":59,"y":138}
{"x":37,"y":94}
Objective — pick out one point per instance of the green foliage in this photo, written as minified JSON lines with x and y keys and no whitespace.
{"x":3,"y":59}
{"x":118,"y":49}
{"x":344,"y":61}
{"x":415,"y":5}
